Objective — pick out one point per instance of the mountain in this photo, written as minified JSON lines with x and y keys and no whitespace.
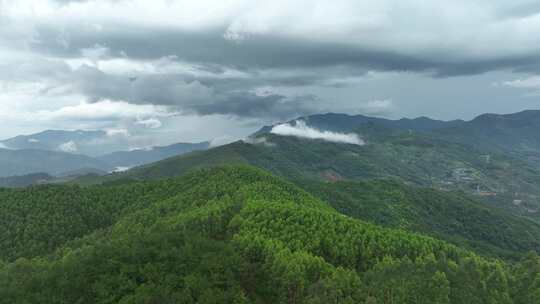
{"x":451,"y":216}
{"x":415,"y":158}
{"x":20,"y":181}
{"x":22,"y":162}
{"x":91,"y":143}
{"x":318,"y":165}
{"x":68,"y":154}
{"x":133,"y":158}
{"x":230,"y":235}
{"x":337,"y":122}
{"x":516,"y":134}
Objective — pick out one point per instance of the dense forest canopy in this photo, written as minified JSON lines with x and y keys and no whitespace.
{"x":234,"y":235}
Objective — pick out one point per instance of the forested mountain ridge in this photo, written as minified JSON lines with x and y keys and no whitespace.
{"x":515,"y":133}
{"x":451,"y":216}
{"x":338,"y":122}
{"x":415,"y":158}
{"x":239,"y":235}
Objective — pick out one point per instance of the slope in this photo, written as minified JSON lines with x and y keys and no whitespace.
{"x":451,"y":216}
{"x":239,"y":235}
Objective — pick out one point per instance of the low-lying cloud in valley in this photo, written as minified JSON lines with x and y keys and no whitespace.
{"x":300,"y":129}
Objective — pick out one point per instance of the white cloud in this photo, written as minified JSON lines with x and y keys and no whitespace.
{"x":117,"y":132}
{"x":69,"y":147}
{"x":152,"y":123}
{"x":2,"y":146}
{"x":120,"y":169}
{"x":221,"y":140}
{"x":465,"y":27}
{"x":33,"y":140}
{"x":532,"y":82}
{"x":105,"y":109}
{"x":259,"y":141}
{"x":300,"y":129}
{"x":376,"y":107}
{"x":95,"y":53}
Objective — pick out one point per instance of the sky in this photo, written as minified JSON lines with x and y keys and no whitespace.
{"x":166,"y":71}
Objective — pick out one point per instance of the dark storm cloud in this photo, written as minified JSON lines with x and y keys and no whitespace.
{"x":251,"y":105}
{"x":212,"y":51}
{"x":189,"y":95}
{"x":260,"y":59}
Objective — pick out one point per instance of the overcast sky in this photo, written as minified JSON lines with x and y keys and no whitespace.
{"x":164,"y":71}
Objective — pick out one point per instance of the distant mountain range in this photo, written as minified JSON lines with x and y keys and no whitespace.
{"x":21,"y":162}
{"x":72,"y":153}
{"x":516,"y":133}
{"x":90,"y":143}
{"x":424,"y":152}
{"x":129,"y":159}
{"x":347,"y":123}
{"x":25,"y":180}
{"x":491,"y":155}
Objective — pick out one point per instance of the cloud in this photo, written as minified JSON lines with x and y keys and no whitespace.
{"x":259,"y":141}
{"x":117,"y":132}
{"x":2,"y":146}
{"x":102,"y":110}
{"x":152,"y":123}
{"x":222,"y":140}
{"x":300,"y":129}
{"x":462,"y":38}
{"x":170,"y":57}
{"x":70,"y":147}
{"x":247,"y":104}
{"x":532,"y":82}
{"x":376,"y":107}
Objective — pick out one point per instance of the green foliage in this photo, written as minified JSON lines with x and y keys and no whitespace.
{"x":452,"y":216}
{"x":239,"y":235}
{"x":36,"y":220}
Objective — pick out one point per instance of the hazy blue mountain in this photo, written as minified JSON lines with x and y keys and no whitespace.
{"x":27,"y":161}
{"x":517,"y":133}
{"x":25,"y":180}
{"x":91,"y":143}
{"x":144,"y":156}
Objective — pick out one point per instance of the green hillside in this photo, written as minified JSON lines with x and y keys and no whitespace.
{"x":239,"y":235}
{"x":451,"y":216}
